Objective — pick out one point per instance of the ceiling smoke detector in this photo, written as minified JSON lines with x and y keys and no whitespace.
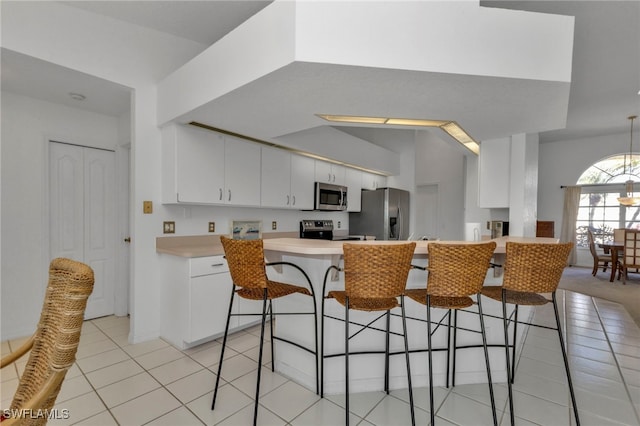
{"x":77,"y":96}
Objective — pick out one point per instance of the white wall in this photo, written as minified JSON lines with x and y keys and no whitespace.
{"x":562,"y":163}
{"x":134,"y":57}
{"x":437,"y":162}
{"x":27,"y":125}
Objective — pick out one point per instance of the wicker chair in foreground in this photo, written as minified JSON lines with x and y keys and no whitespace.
{"x":53,"y":346}
{"x":375,"y":277}
{"x":248,"y":273}
{"x":530,"y":270}
{"x":456,"y":271}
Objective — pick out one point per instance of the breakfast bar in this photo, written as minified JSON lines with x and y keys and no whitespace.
{"x":367,"y":373}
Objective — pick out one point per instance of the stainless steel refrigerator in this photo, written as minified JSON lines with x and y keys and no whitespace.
{"x":384,"y":214}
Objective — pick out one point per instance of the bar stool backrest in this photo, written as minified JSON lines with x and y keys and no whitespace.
{"x":246,"y":262}
{"x":632,"y":248}
{"x":376,"y":271}
{"x":458,"y":270}
{"x":535,"y":267}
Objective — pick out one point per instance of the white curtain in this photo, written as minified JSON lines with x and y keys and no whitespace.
{"x":569,"y":217}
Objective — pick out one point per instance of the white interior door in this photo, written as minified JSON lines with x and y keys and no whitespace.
{"x":427,"y":208}
{"x":82,"y":216}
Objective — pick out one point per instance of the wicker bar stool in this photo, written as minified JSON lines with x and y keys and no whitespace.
{"x":530,"y":270}
{"x":54,"y":344}
{"x":456,"y":271}
{"x":375,"y":277}
{"x":248,"y":273}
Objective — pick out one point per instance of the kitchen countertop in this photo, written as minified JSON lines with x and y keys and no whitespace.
{"x":209,"y":245}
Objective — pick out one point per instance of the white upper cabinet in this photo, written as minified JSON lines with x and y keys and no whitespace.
{"x":276,"y":178}
{"x":204,"y":167}
{"x":192,"y":165}
{"x":242,"y":172}
{"x":373,"y":181}
{"x":353,"y":181}
{"x":330,"y":173}
{"x":302,"y":182}
{"x":287,"y":180}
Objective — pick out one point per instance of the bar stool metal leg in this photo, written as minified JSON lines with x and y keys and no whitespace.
{"x":407,"y":357}
{"x":346,"y":359}
{"x":566,"y":360}
{"x":507,"y":356}
{"x":224,"y":345}
{"x":430,"y":357}
{"x":486,"y":358}
{"x":386,"y":354}
{"x":264,"y":319}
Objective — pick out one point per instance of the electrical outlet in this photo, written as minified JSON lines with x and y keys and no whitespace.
{"x":169,"y":227}
{"x":339,"y":224}
{"x":212,"y":227}
{"x":274,"y":225}
{"x":147,"y":207}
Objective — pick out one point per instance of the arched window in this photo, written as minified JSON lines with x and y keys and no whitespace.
{"x":602,"y":184}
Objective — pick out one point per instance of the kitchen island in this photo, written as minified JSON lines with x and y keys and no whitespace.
{"x":367,"y":371}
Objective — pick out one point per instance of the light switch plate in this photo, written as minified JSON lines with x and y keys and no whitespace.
{"x":147,"y":207}
{"x":274,"y":225}
{"x":212,"y":227}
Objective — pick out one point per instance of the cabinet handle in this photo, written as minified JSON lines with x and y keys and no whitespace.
{"x":229,"y":195}
{"x":329,"y":175}
{"x":334,"y":178}
{"x":287,"y":200}
{"x":220,"y":194}
{"x":294,"y":200}
{"x":217,"y":264}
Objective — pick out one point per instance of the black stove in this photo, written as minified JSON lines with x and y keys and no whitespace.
{"x":322,"y":230}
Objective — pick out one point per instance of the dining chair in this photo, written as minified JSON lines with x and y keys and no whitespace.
{"x":531,"y":270}
{"x":599,"y":258}
{"x":455,"y":272}
{"x":247,"y":267}
{"x":54,"y":344}
{"x":631,"y":254}
{"x":375,"y":277}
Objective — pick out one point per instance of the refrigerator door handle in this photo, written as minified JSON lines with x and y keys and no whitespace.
{"x":400,"y":224}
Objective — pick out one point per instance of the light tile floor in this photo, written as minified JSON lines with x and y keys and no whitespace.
{"x":152,"y":383}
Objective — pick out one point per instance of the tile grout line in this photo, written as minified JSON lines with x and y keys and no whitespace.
{"x":615,"y":357}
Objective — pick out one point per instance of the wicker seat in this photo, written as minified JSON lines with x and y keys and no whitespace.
{"x":531,"y":270}
{"x":375,"y":277}
{"x":248,"y":273}
{"x":53,"y":345}
{"x":599,"y":259}
{"x":456,"y":272}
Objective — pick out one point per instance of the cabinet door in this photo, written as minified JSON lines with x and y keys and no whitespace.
{"x":323,"y":171}
{"x":199,"y":165}
{"x":338,"y":174}
{"x":302,"y":182}
{"x":209,"y":305}
{"x":353,"y":181}
{"x":372,"y":181}
{"x":276,"y":178}
{"x":330,"y":173}
{"x":242,"y":172}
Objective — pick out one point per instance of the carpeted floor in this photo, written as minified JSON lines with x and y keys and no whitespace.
{"x":579,"y":280}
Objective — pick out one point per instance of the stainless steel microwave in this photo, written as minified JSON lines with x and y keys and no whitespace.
{"x":330,"y":197}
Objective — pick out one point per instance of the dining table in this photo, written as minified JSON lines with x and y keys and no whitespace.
{"x":614,"y":248}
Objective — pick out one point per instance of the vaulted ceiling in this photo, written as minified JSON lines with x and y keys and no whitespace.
{"x":605,"y":76}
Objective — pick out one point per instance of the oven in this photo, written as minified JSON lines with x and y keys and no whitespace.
{"x":323,"y":230}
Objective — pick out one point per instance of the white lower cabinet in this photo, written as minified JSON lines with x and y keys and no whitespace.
{"x":195,"y":300}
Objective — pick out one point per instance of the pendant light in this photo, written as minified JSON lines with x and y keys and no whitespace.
{"x":629,"y":200}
